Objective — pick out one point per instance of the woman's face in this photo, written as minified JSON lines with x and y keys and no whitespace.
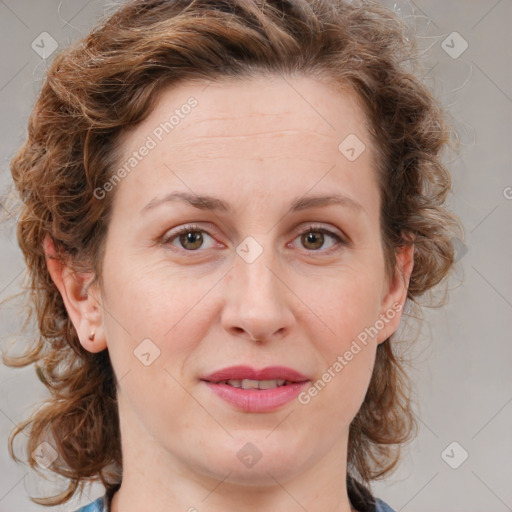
{"x":247,"y":286}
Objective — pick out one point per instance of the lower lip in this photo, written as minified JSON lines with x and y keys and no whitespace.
{"x":257,"y":400}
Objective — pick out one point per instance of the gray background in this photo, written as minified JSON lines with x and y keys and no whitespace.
{"x":463,"y":352}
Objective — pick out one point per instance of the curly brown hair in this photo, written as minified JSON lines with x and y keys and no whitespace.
{"x":109,"y":81}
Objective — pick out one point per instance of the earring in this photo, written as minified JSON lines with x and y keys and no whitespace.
{"x":91,"y":336}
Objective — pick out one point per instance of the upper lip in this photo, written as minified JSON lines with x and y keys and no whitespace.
{"x":246,"y":372}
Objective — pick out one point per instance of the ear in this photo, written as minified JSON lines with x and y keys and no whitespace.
{"x":395,"y":293}
{"x":82,"y":300}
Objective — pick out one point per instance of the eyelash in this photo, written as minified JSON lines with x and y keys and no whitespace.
{"x":312,"y":228}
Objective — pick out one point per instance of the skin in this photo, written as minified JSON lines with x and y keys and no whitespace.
{"x":258,"y":145}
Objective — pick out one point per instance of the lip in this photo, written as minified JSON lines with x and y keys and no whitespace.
{"x":246,"y":372}
{"x":256,"y":400}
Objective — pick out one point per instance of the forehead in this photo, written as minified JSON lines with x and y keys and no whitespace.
{"x":284,"y":132}
{"x":262,"y":107}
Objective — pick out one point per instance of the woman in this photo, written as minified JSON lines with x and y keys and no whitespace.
{"x":226,"y":208}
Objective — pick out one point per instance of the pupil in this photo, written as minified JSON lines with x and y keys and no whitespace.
{"x":312,"y":238}
{"x":192,"y":237}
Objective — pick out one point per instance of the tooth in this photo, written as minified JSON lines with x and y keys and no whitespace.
{"x":255,"y":384}
{"x":250,"y":384}
{"x":268,"y":384}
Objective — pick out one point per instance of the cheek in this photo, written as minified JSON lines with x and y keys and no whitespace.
{"x":334,"y":399}
{"x":350,"y":308}
{"x":149,"y":302}
{"x":347,"y":305}
{"x":347,"y":365}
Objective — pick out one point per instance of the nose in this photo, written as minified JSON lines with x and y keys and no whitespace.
{"x":258,"y":305}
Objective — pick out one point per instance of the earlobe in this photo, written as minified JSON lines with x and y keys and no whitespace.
{"x":82,"y":303}
{"x":393,"y":302}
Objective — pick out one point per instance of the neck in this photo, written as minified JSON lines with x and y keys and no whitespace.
{"x":157,"y":476}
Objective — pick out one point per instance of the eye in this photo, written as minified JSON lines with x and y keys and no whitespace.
{"x":314,"y":238}
{"x":189,"y":238}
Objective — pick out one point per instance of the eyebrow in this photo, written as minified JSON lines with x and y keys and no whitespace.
{"x":203,"y":202}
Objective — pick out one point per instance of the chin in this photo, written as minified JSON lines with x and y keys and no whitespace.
{"x":252,"y":459}
{"x":263,"y":474}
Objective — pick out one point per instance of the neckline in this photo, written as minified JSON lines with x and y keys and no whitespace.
{"x":360,"y":497}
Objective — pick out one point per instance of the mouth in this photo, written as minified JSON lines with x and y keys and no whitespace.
{"x":247,"y":377}
{"x":255,"y":384}
{"x":253,"y":390}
